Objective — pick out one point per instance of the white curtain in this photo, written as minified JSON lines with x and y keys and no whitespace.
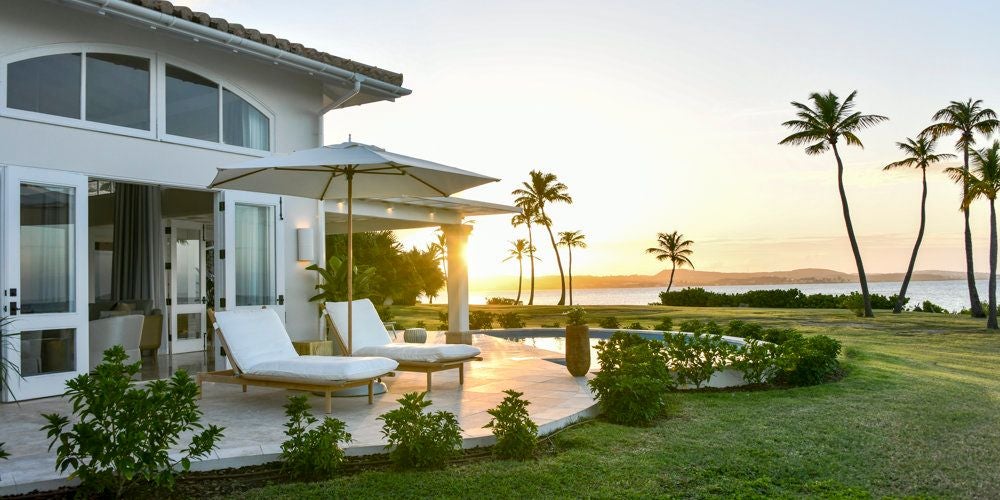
{"x":47,"y":249}
{"x":255,"y":275}
{"x":242,"y":124}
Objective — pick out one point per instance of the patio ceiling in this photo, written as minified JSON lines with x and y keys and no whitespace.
{"x":409,"y":213}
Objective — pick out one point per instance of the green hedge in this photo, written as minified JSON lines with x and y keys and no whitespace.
{"x":788,"y":299}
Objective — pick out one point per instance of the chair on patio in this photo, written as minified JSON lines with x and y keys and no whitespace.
{"x":370,"y":338}
{"x":261,"y":354}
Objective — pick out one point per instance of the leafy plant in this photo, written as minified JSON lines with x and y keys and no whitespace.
{"x":481,"y":320}
{"x":420,"y":324}
{"x":516,"y":433}
{"x":757,"y":360}
{"x":633,"y":380}
{"x":419,"y":439}
{"x":577,"y":316}
{"x":122,"y":433}
{"x":694,"y":358}
{"x":609,"y":322}
{"x":443,"y":320}
{"x":929,"y":307}
{"x":510,"y":320}
{"x":501,"y":301}
{"x":808,"y":360}
{"x":385,"y":313}
{"x":333,"y":285}
{"x":665,"y":325}
{"x":692,"y":326}
{"x":3,"y":453}
{"x":311,"y":453}
{"x":786,"y":299}
{"x":8,"y":369}
{"x":635,"y":326}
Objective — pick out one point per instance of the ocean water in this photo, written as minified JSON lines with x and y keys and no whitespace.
{"x":951,"y":295}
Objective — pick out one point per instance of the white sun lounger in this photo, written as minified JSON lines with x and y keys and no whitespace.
{"x":261,"y":354}
{"x":371,"y":339}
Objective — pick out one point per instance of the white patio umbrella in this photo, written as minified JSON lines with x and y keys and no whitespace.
{"x":346,"y":171}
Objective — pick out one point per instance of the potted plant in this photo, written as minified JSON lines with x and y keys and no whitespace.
{"x":577,"y":342}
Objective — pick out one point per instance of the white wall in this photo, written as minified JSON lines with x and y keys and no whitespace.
{"x":295,"y":99}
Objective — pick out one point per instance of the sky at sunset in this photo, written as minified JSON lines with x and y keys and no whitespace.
{"x":664,"y":116}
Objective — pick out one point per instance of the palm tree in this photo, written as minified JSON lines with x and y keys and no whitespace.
{"x":570,"y":239}
{"x":820,"y":128}
{"x":519,"y":249}
{"x":984,"y":182}
{"x":540,"y":190}
{"x":527,"y":218}
{"x":440,"y":250}
{"x":966,"y":118}
{"x":672,"y":247}
{"x":920,"y":154}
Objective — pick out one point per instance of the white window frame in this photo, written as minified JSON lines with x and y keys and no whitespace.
{"x":157,"y":97}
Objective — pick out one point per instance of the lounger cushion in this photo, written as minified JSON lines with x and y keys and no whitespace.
{"x":425,"y":353}
{"x":325,"y":368}
{"x":255,"y":336}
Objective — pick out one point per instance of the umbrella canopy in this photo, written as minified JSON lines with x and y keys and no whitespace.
{"x":321,"y":174}
{"x":346,"y":171}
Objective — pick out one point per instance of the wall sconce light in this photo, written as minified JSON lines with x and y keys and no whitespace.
{"x":306,"y":247}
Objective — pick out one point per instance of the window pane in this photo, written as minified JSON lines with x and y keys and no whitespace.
{"x":48,"y":351}
{"x":192,"y":105}
{"x":255,"y":274}
{"x":118,"y":90}
{"x":188,"y":266}
{"x":242,"y":124}
{"x":49,"y":84}
{"x":188,"y":326}
{"x":47,"y":249}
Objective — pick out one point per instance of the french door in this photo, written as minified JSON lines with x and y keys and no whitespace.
{"x":186,"y":286}
{"x":250,"y":254}
{"x":44,"y":279}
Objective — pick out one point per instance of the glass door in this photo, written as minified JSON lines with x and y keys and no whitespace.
{"x":250,"y":257}
{"x":44,"y":279}
{"x":186,"y":286}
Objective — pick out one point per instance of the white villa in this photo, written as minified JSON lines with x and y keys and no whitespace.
{"x":114,"y":116}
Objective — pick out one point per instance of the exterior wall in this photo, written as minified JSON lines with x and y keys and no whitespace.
{"x":294,"y":100}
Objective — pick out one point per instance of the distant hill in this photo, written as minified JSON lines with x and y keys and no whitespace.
{"x":688,"y":277}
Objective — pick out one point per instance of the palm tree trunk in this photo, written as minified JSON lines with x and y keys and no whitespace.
{"x":916,"y":247}
{"x":991,"y":321}
{"x":562,"y":275}
{"x":570,"y":274}
{"x":672,"y":269}
{"x":531,"y":262}
{"x":520,"y":279}
{"x":976,"y":307}
{"x":850,"y":235}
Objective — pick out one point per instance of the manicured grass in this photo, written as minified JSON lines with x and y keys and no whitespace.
{"x":917,"y":415}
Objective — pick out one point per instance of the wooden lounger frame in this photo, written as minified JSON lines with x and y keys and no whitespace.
{"x":237,"y":377}
{"x":411,"y":366}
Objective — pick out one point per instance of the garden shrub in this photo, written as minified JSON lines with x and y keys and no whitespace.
{"x":742,"y":329}
{"x":930,"y":307}
{"x":792,"y":298}
{"x":510,"y":320}
{"x":420,"y":324}
{"x":694,"y":358}
{"x":122,"y":433}
{"x":609,"y":322}
{"x":384,"y":313}
{"x":420,"y":440}
{"x":757,"y":360}
{"x":665,"y":325}
{"x":691,"y":326}
{"x":443,"y":320}
{"x":3,"y":453}
{"x":553,"y":325}
{"x":808,"y":360}
{"x":576,"y":316}
{"x":481,"y":320}
{"x":635,"y":326}
{"x":501,"y":301}
{"x":772,"y":335}
{"x":631,"y":386}
{"x":311,"y":453}
{"x":516,"y":433}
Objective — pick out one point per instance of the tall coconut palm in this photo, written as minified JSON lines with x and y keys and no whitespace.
{"x":440,"y":249}
{"x":919,"y":154}
{"x":541,"y":190}
{"x":966,"y":118}
{"x":984,"y":182}
{"x":570,"y":239}
{"x":519,"y":249}
{"x":526,"y":218}
{"x":676,"y":249}
{"x":820,"y":128}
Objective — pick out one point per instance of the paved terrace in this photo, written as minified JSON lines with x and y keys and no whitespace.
{"x":254,"y":421}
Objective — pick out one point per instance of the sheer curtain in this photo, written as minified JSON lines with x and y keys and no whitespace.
{"x":242,"y":124}
{"x":255,"y":278}
{"x":47,"y":249}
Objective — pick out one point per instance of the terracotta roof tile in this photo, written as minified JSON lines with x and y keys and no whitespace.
{"x":270,"y":40}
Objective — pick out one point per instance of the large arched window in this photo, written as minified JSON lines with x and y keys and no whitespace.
{"x":103,"y":88}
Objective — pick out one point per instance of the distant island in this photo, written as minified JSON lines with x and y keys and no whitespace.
{"x":688,"y":277}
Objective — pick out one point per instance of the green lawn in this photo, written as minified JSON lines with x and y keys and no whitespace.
{"x":917,"y":415}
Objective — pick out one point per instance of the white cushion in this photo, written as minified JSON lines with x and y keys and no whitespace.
{"x":427,"y":353}
{"x":325,"y":368}
{"x":255,"y":336}
{"x":368,"y":328}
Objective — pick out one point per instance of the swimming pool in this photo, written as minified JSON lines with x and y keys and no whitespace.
{"x":554,"y":340}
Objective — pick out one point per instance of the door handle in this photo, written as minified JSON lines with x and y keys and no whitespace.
{"x":13,"y":308}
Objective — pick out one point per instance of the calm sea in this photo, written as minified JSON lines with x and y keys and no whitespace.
{"x":951,"y":295}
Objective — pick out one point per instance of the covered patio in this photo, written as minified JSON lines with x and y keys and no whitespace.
{"x":254,"y":420}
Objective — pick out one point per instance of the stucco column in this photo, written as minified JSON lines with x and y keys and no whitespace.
{"x":456,"y":236}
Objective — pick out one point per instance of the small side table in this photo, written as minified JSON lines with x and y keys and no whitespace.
{"x":314,"y":347}
{"x":415,"y":335}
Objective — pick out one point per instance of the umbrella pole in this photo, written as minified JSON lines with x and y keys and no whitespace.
{"x":350,"y":264}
